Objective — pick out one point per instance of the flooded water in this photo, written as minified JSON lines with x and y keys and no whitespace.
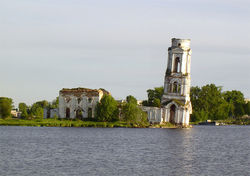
{"x":202,"y":150}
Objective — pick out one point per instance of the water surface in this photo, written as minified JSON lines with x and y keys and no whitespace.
{"x":202,"y":150}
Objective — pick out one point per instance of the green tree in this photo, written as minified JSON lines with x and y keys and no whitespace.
{"x":154,"y":97}
{"x":234,"y":96}
{"x":107,"y":109}
{"x":132,"y":113}
{"x":195,"y":97}
{"x":247,"y":108}
{"x":131,"y":99}
{"x":5,"y":107}
{"x":23,"y":108}
{"x":55,"y":103}
{"x":236,"y":100}
{"x":145,"y":103}
{"x":239,"y":109}
{"x":36,"y":110}
{"x":157,"y":102}
{"x":43,"y":104}
{"x":208,"y":103}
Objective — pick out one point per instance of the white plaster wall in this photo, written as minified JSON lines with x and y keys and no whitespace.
{"x":159,"y":115}
{"x":155,"y":115}
{"x":185,"y":43}
{"x":74,"y":105}
{"x":53,"y":112}
{"x":45,"y":113}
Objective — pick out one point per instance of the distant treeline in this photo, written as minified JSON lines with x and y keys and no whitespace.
{"x":35,"y":111}
{"x":208,"y":102}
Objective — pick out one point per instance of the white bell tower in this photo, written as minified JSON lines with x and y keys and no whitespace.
{"x":176,"y":97}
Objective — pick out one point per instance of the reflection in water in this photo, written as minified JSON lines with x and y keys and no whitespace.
{"x":119,"y":151}
{"x":187,"y":148}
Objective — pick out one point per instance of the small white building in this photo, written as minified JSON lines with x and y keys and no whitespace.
{"x":15,"y":113}
{"x":247,"y":100}
{"x":79,"y":102}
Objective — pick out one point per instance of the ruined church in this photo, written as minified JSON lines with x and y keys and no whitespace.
{"x":79,"y":103}
{"x":76,"y":103}
{"x":175,"y":103}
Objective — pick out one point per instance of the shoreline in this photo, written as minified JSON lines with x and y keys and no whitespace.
{"x":95,"y":124}
{"x":79,"y":123}
{"x":236,"y":121}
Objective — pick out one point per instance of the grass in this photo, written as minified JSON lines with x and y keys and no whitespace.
{"x":66,"y":123}
{"x":236,"y":121}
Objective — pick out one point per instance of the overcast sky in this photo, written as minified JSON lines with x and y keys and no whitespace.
{"x":119,"y":45}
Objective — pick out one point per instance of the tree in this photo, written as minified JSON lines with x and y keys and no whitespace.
{"x":23,"y":108}
{"x":239,"y":109}
{"x":157,"y":102}
{"x":154,"y":97}
{"x":132,"y":113}
{"x":36,"y":110}
{"x":236,"y":100}
{"x":107,"y":109}
{"x":208,"y":103}
{"x":55,"y":103}
{"x":43,"y":104}
{"x":5,"y":107}
{"x":247,"y":108}
{"x":131,"y":99}
{"x":234,"y":96}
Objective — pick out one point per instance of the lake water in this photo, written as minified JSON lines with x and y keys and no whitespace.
{"x":202,"y":150}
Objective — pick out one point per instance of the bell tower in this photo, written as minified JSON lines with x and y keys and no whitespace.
{"x":176,"y":96}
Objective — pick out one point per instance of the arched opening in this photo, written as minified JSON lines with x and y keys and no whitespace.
{"x":48,"y":113}
{"x":170,"y":89}
{"x":79,"y":114}
{"x":79,"y":100}
{"x":177,"y":65}
{"x":90,"y":113}
{"x":90,"y":100}
{"x":179,"y":89}
{"x":172,"y":114}
{"x":67,"y":113}
{"x":175,"y":87}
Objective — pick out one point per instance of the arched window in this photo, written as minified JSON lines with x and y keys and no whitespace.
{"x":170,"y":87}
{"x":177,"y":65}
{"x":79,"y":114}
{"x":48,"y":113}
{"x":90,"y":100}
{"x":67,"y":113}
{"x":175,"y":87}
{"x":172,"y":114}
{"x":90,"y":113}
{"x":79,"y":100}
{"x":179,"y":89}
